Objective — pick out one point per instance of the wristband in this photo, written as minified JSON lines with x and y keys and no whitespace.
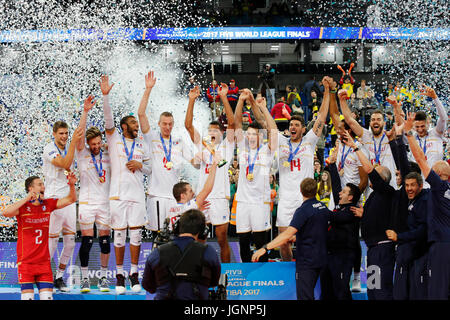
{"x":333,"y":91}
{"x":355,"y":149}
{"x":409,"y":133}
{"x":265,"y":247}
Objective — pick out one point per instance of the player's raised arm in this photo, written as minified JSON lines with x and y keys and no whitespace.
{"x":353,"y":124}
{"x":89,"y":103}
{"x":13,"y":209}
{"x":259,"y":116}
{"x":441,"y":124}
{"x":228,"y":111}
{"x":72,"y":196}
{"x":366,"y":164}
{"x":209,"y":184}
{"x":194,"y":93}
{"x":150,"y":81}
{"x":238,"y":115}
{"x":65,"y":162}
{"x":416,"y":150}
{"x":105,"y":87}
{"x":272,"y":129}
{"x":323,"y":110}
{"x":334,"y":111}
{"x":399,"y":115}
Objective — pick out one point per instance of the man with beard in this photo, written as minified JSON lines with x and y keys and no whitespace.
{"x":129,"y":162}
{"x":375,"y":140}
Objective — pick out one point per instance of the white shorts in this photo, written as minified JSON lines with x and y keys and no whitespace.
{"x":64,"y":219}
{"x":252,"y":217}
{"x":218,"y":212}
{"x":152,"y":214}
{"x":90,"y":213}
{"x":126,"y":214}
{"x":286,"y":210}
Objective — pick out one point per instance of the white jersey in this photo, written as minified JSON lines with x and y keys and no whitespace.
{"x":348,"y":161}
{"x":177,"y":210}
{"x":386,"y":158}
{"x":221,"y":188}
{"x":256,"y":191}
{"x":300,"y":167}
{"x":162,"y":178}
{"x":55,"y":180}
{"x":432,"y":145}
{"x":126,"y":185}
{"x":92,"y":191}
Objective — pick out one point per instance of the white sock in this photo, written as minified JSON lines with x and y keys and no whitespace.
{"x":103,"y":272}
{"x":84,"y":272}
{"x":134,"y":269}
{"x":119,"y":270}
{"x":46,"y":295}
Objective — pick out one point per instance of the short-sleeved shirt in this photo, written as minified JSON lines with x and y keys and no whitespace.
{"x":438,"y":218}
{"x":311,"y":221}
{"x":386,"y":158}
{"x":221,"y":188}
{"x":348,"y":160}
{"x":162,"y":178}
{"x":177,"y":210}
{"x":432,"y":145}
{"x":126,"y":185}
{"x":32,"y":232}
{"x":300,"y":167}
{"x":258,"y":190}
{"x":55,"y":180}
{"x":92,"y":191}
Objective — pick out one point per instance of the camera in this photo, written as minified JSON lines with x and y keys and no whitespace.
{"x":221,"y":292}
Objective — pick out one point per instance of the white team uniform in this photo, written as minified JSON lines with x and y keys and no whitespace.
{"x":56,"y":186}
{"x":253,"y":197}
{"x":219,"y":210}
{"x":386,"y":157}
{"x":178,"y":209}
{"x":301,"y":167}
{"x":94,"y":195}
{"x":126,"y":194}
{"x":350,"y":164}
{"x":162,"y":179}
{"x":433,"y":146}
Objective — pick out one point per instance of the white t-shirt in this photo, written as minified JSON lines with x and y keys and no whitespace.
{"x":386,"y":158}
{"x":433,"y":146}
{"x":55,"y":180}
{"x":221,"y":188}
{"x":301,"y":166}
{"x":162,"y":179}
{"x":178,"y":209}
{"x":258,"y":190}
{"x":350,"y":164}
{"x":92,"y":191}
{"x":126,"y":185}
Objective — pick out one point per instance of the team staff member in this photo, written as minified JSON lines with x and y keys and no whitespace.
{"x":438,"y":220}
{"x":57,"y":163}
{"x":196,"y":265}
{"x":374,"y":223}
{"x":309,"y":225}
{"x":129,"y":162}
{"x":33,"y":219}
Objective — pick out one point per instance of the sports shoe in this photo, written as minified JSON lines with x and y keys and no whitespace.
{"x":60,"y":285}
{"x":85,"y":286}
{"x":356,"y":285}
{"x":134,"y":282}
{"x":120,"y":285}
{"x":103,"y":285}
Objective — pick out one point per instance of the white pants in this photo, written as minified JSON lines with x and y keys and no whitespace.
{"x":127,"y":214}
{"x":252,"y":217}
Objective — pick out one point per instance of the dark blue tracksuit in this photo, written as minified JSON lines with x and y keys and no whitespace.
{"x":439,"y":236}
{"x":311,"y":222}
{"x":342,"y":246}
{"x":375,"y":221}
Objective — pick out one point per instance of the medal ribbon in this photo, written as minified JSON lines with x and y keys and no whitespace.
{"x":424,"y":148}
{"x":293,"y":154}
{"x":129,"y":154}
{"x":344,"y":156}
{"x":60,"y":153}
{"x":99,"y":171}
{"x":251,"y":165}
{"x":377,"y":152}
{"x":168,"y":155}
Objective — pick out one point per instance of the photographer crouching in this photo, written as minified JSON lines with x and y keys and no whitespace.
{"x":184,"y":268}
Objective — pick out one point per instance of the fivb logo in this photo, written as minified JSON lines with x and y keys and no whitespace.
{"x":373,"y":277}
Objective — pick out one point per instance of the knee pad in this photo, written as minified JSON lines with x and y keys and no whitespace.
{"x":52,"y":246}
{"x":104,"y":243}
{"x":27,"y":296}
{"x":69,"y":245}
{"x":119,"y":238}
{"x":45,"y":295}
{"x":135,"y":237}
{"x":85,"y":248}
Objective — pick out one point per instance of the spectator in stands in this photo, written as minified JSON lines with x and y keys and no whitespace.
{"x":354,"y":103}
{"x":246,"y":120}
{"x":324,"y":188}
{"x":347,"y":81}
{"x":214,"y":98}
{"x":190,"y":85}
{"x":362,"y":91}
{"x":317,"y":170}
{"x":233,"y":94}
{"x":267,"y":85}
{"x":281,"y":114}
{"x":293,"y":100}
{"x":312,"y":107}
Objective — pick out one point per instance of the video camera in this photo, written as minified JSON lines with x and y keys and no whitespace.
{"x":221,"y":292}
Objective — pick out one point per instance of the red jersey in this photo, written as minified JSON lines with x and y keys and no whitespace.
{"x":32,"y":232}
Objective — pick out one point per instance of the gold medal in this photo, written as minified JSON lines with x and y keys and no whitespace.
{"x":341,"y":172}
{"x":66,"y":172}
{"x":169,"y":164}
{"x":286,"y":164}
{"x":250,"y":177}
{"x":102,"y":179}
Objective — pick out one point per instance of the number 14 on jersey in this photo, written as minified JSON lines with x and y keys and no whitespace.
{"x":295,"y":164}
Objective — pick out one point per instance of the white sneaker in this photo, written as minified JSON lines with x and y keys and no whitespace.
{"x":120,"y":285}
{"x":134,"y":283}
{"x":356,"y":285}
